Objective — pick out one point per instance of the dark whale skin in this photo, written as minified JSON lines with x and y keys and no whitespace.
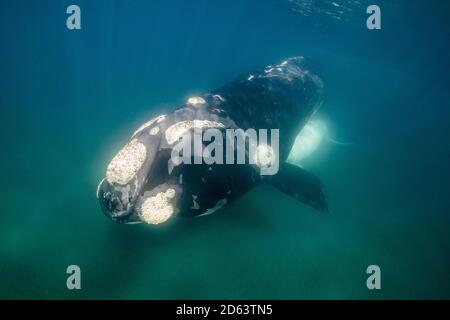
{"x":282,"y":96}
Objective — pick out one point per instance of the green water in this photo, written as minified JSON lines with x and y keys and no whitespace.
{"x":70,"y":100}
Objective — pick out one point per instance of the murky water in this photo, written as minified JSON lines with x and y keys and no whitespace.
{"x":70,"y":100}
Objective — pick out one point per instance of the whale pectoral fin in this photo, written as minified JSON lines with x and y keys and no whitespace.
{"x":300,"y":184}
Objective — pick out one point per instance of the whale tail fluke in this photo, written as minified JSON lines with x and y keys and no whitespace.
{"x":300,"y":184}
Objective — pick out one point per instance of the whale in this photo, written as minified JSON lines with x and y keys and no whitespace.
{"x":308,"y":140}
{"x":143,"y":184}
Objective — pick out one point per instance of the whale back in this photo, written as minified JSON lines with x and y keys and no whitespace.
{"x":282,"y":96}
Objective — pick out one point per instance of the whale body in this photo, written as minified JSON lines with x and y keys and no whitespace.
{"x":143,"y":184}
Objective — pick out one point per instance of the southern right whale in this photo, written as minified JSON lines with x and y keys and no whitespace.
{"x":143,"y":184}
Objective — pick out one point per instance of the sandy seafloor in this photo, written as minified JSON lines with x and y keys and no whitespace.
{"x":70,"y":99}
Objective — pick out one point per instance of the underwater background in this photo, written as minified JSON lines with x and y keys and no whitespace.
{"x":71,"y":99}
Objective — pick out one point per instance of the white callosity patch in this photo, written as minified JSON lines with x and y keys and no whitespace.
{"x":219,"y":97}
{"x":158,"y":119}
{"x":177,"y":130}
{"x":196,"y":100}
{"x":154,"y":131}
{"x":159,"y":208}
{"x":307,"y":141}
{"x":126,"y":163}
{"x":264,"y":156}
{"x":250,"y":77}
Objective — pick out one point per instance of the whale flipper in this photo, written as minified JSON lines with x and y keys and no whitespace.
{"x":300,"y":184}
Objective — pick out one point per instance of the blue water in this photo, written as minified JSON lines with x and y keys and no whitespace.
{"x":70,"y":99}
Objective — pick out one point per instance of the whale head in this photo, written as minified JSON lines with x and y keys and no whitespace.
{"x":142,"y":182}
{"x":138,"y":186}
